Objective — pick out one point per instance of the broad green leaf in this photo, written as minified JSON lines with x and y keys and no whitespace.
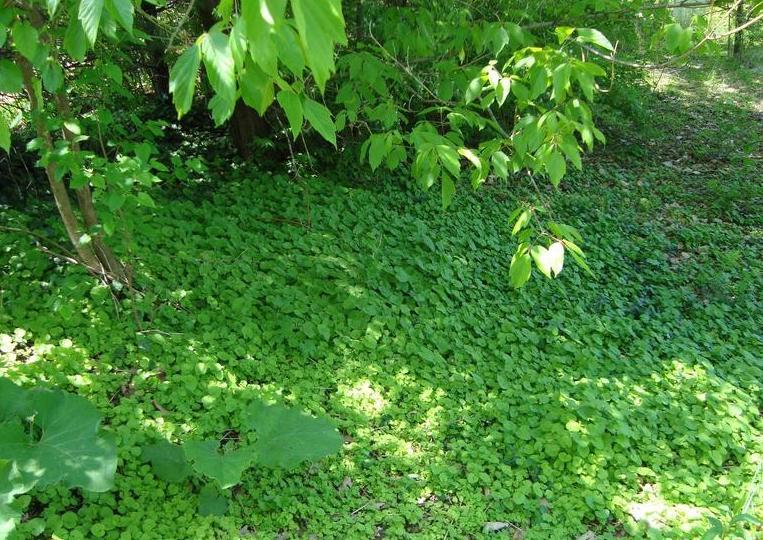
{"x":69,"y":450}
{"x":11,"y":80}
{"x":522,"y":221}
{"x":549,"y":261}
{"x":261,"y":18}
{"x":90,"y":12}
{"x":225,"y":468}
{"x":292,"y":106}
{"x":591,"y":35}
{"x":144,"y":199}
{"x":286,"y":437}
{"x":502,"y":90}
{"x":556,"y":167}
{"x":449,"y":158}
{"x":75,"y":40}
{"x":520,"y":269}
{"x":183,"y":77}
{"x":52,"y":75}
{"x":289,"y":49}
{"x":474,"y":90}
{"x":320,"y":24}
{"x":563,"y":33}
{"x":238,"y":42}
{"x":123,"y":12}
{"x":9,"y":518}
{"x":561,"y":81}
{"x":320,"y":118}
{"x":745,"y":518}
{"x":26,"y":39}
{"x":448,"y":190}
{"x":377,"y":150}
{"x":52,"y":6}
{"x":256,"y":87}
{"x":212,"y":501}
{"x":221,"y":70}
{"x":500,"y":163}
{"x":168,"y":461}
{"x":14,"y":400}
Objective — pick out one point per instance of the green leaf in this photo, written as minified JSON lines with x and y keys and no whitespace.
{"x":377,"y":150}
{"x":75,"y":40}
{"x":238,"y":42}
{"x":474,"y":90}
{"x":561,"y":81}
{"x":449,"y":158}
{"x":256,"y":87}
{"x":144,"y":199}
{"x":522,"y":221}
{"x":286,"y":437}
{"x":14,"y":400}
{"x":123,"y":12}
{"x":52,"y":75}
{"x":25,"y":39}
{"x":448,"y":190}
{"x":70,"y":449}
{"x":591,"y":35}
{"x":11,"y":80}
{"x":745,"y":518}
{"x":5,"y":135}
{"x":183,"y":77}
{"x":549,"y":261}
{"x":168,"y":461}
{"x":52,"y":6}
{"x":502,"y":90}
{"x":320,"y":24}
{"x":9,"y":518}
{"x":289,"y":49}
{"x":221,"y":70}
{"x":90,"y":12}
{"x":292,"y":106}
{"x":500,"y":163}
{"x":520,"y":269}
{"x":212,"y":501}
{"x":261,"y":18}
{"x":225,"y":468}
{"x":320,"y":118}
{"x":556,"y":167}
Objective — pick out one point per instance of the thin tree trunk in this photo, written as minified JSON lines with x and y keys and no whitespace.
{"x":739,"y":36}
{"x":84,"y":251}
{"x":85,"y":201}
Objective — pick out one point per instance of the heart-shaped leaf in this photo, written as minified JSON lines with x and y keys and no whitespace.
{"x":225,"y":468}
{"x":287,"y":437}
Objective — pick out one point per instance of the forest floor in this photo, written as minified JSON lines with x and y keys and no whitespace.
{"x":625,"y":404}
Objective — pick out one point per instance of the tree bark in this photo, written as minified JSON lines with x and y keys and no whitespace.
{"x":739,"y":36}
{"x":85,"y":252}
{"x":85,"y":202}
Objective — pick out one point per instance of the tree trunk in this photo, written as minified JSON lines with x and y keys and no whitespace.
{"x":245,"y":124}
{"x":85,"y":252}
{"x":85,"y":202}
{"x":739,"y":37}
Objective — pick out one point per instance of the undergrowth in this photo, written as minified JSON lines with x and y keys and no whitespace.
{"x":625,"y":404}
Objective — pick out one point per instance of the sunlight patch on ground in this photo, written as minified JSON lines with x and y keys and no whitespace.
{"x":363,"y":397}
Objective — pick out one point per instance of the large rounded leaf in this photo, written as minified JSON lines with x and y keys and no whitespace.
{"x":65,"y":445}
{"x":287,"y":437}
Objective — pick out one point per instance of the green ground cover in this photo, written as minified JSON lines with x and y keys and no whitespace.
{"x":625,"y":404}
